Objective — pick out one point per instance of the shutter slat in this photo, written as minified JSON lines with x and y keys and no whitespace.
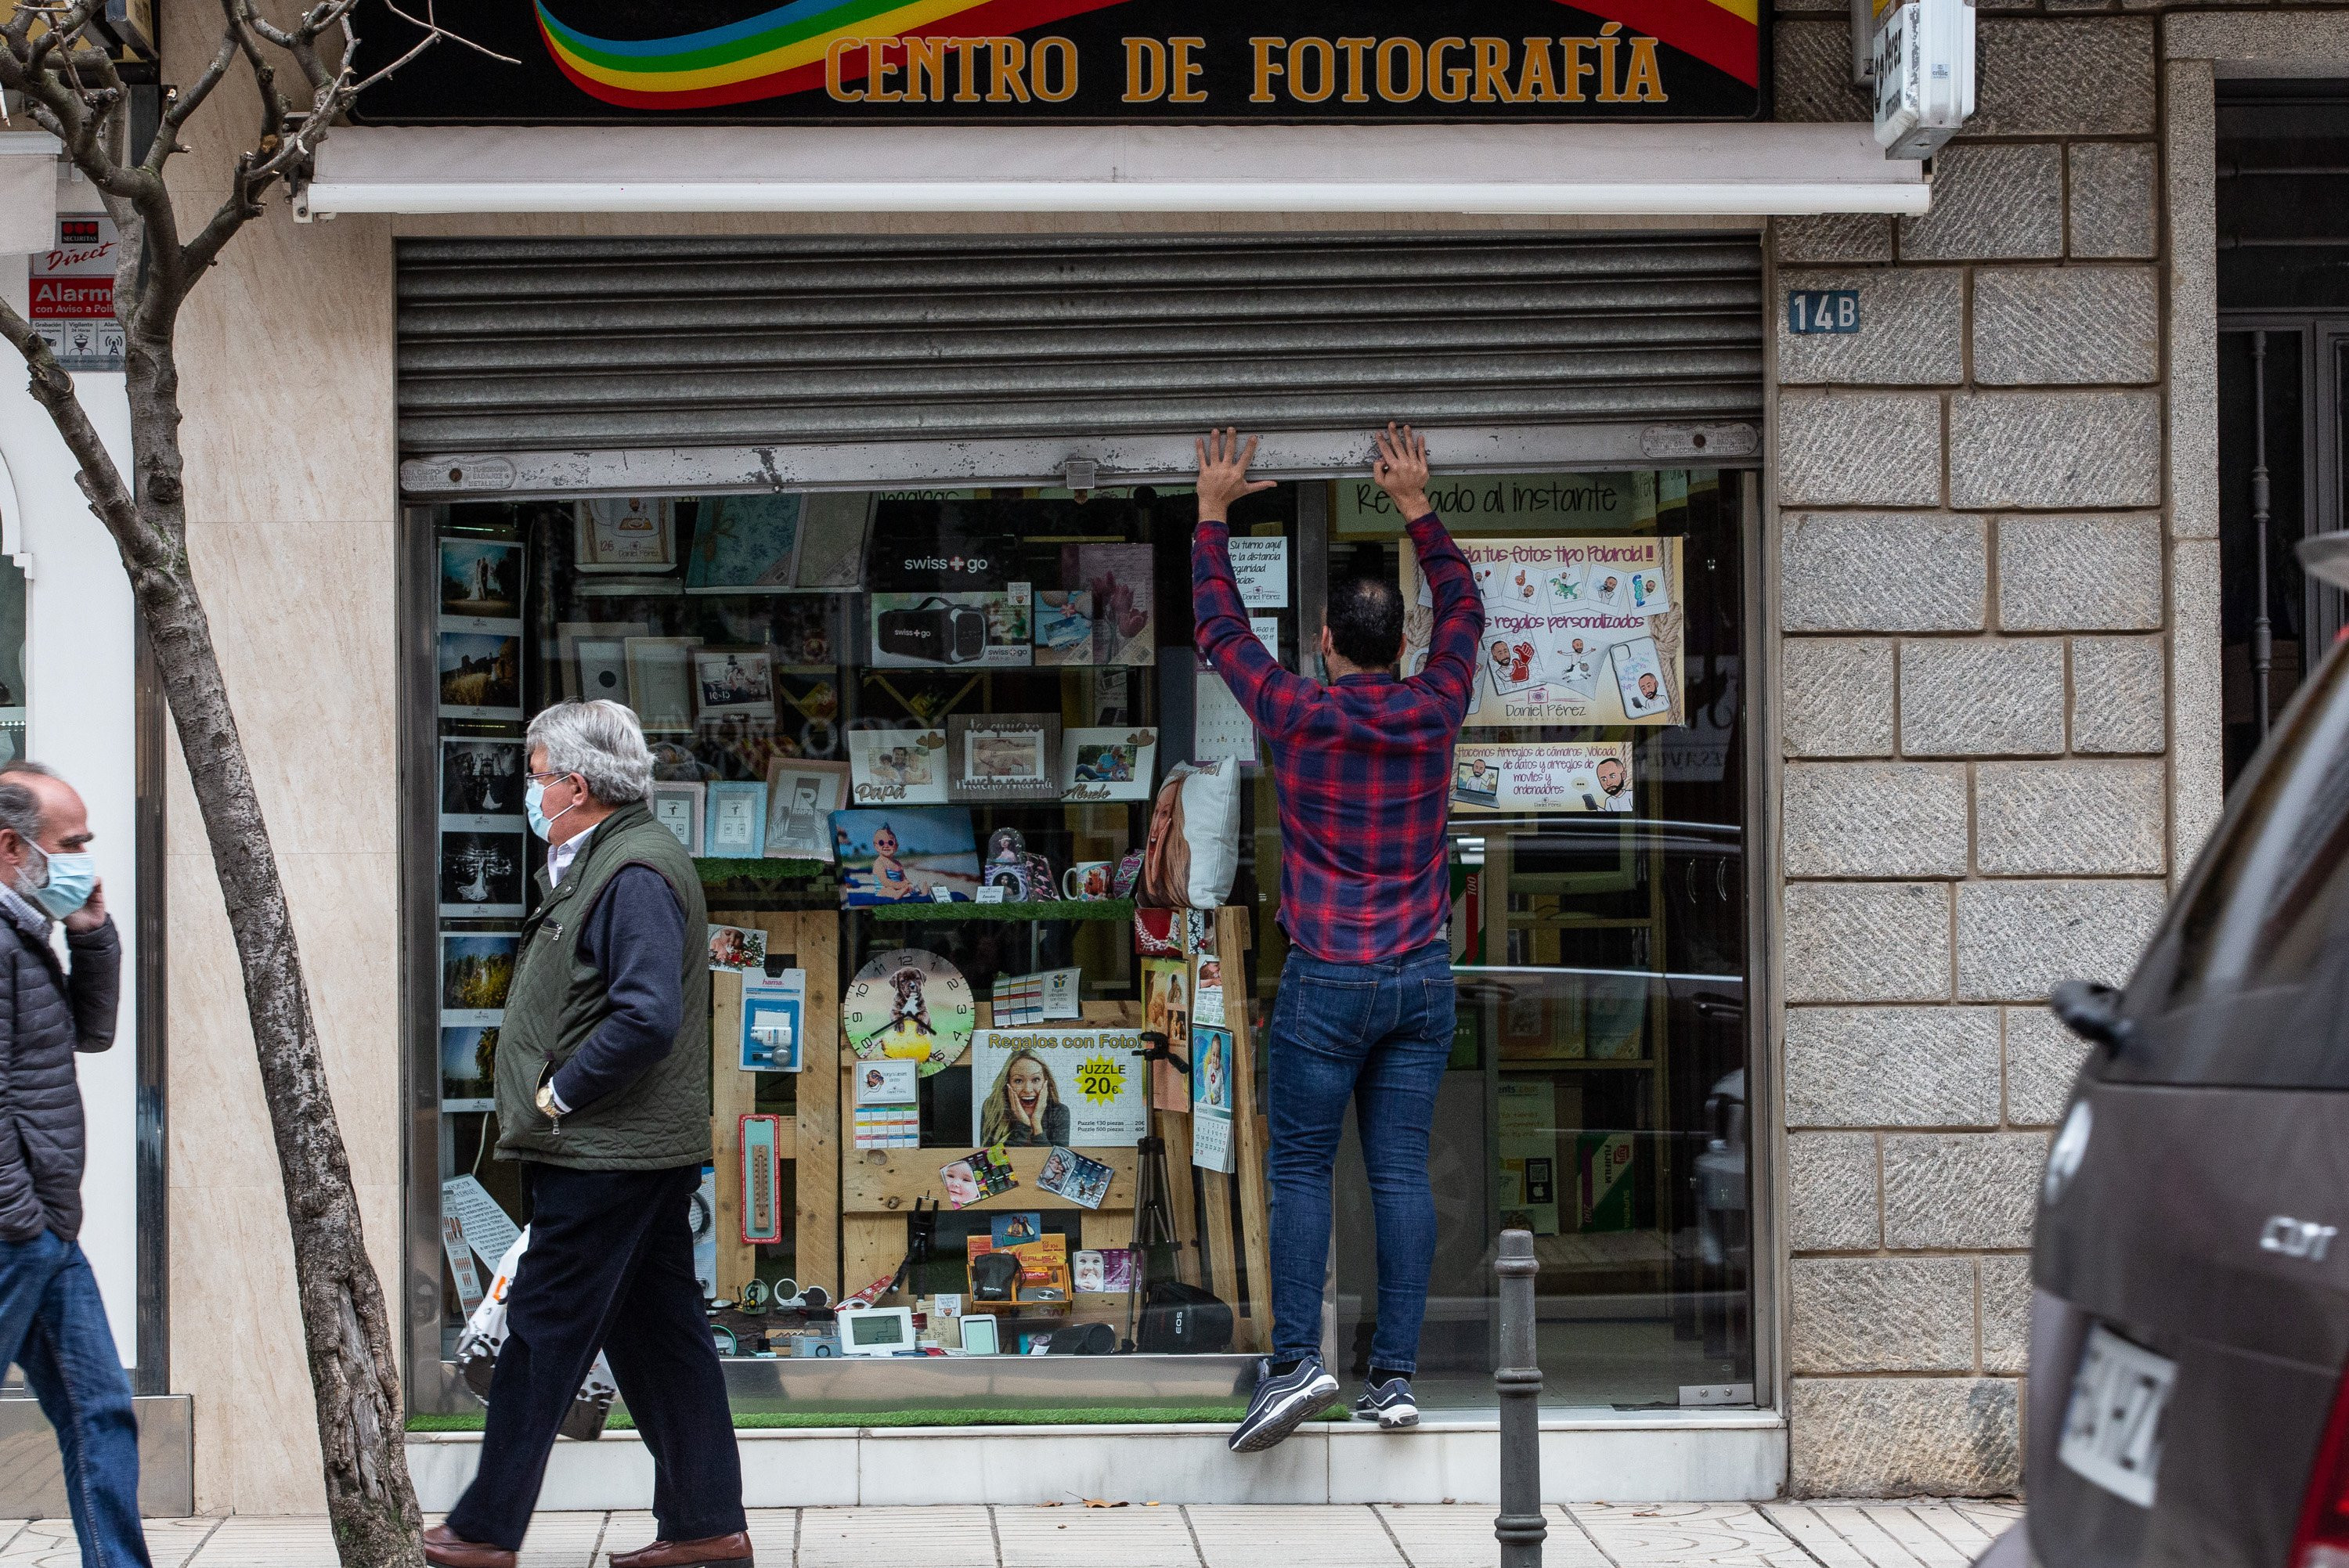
{"x":510,"y":346}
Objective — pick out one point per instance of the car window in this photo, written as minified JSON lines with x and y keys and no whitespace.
{"x":2240,"y":986}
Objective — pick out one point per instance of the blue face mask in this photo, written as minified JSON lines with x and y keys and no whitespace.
{"x":72,"y":879}
{"x":534,"y":797}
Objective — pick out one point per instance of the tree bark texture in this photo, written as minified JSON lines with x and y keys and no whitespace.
{"x":346,"y":1328}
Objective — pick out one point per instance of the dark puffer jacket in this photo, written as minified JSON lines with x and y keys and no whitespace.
{"x":44,"y":1018}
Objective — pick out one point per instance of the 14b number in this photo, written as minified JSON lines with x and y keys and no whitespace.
{"x":1822,"y":310}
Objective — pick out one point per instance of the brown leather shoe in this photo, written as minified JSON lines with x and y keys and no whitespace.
{"x":445,"y":1548}
{"x":712,"y":1552}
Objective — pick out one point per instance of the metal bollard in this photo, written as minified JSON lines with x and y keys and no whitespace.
{"x":1517,"y":1380}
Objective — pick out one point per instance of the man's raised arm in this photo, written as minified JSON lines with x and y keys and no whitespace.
{"x":1220,"y":618}
{"x":1400,"y":470}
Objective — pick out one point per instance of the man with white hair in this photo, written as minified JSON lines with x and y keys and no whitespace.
{"x":602,"y":1087}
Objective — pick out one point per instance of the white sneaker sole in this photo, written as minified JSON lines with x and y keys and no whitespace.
{"x":1285,"y":1417}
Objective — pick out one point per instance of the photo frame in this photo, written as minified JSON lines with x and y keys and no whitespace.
{"x":660,"y":681}
{"x":745,"y":544}
{"x":898,"y":766}
{"x":729,"y":682}
{"x":595,"y":657}
{"x":734,"y":822}
{"x":480,"y":782}
{"x":1112,"y":762}
{"x":480,"y":581}
{"x":802,"y":796}
{"x":1003,"y":757}
{"x":677,"y":805}
{"x":624,"y":533}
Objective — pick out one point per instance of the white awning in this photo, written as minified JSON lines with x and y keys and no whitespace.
{"x":28,"y":191}
{"x":1669,"y":171}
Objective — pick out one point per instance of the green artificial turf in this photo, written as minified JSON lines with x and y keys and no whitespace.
{"x":977,"y":1416}
{"x":1053,"y":909}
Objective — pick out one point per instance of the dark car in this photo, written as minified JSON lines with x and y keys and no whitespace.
{"x":2190,"y":1305}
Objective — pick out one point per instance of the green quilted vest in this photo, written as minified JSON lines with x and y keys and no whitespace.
{"x":557,"y":1000}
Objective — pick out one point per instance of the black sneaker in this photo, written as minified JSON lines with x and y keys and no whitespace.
{"x":1282,"y":1404}
{"x":1388,"y":1404}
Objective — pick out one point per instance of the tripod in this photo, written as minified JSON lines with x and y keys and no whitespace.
{"x":1154,"y":1212}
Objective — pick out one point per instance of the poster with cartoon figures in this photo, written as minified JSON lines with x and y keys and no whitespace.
{"x":1576,"y":631}
{"x":1544,"y":776}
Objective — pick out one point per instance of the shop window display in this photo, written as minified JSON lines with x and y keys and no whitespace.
{"x":917,"y":740}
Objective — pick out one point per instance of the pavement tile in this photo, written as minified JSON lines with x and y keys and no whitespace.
{"x":1927,"y":1545}
{"x":43,"y":1543}
{"x":561,"y":1541}
{"x":945,"y":1537}
{"x":1299,"y":1536}
{"x":1439,"y":1536}
{"x":170,"y":1543}
{"x":1815,"y":1535}
{"x":256,"y":1541}
{"x":1688,"y":1535}
{"x":1074,"y":1537}
{"x":1854,"y":1523}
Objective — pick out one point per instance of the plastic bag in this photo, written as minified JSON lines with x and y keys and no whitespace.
{"x":485,"y":1335}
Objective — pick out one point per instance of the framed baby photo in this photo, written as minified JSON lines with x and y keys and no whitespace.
{"x":1003,"y":757}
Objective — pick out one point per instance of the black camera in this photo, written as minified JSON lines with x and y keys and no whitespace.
{"x":933,"y":632}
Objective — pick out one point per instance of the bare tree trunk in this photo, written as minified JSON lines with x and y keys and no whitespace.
{"x":347,"y":1329}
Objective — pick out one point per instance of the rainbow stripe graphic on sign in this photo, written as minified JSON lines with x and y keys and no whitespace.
{"x":781,"y":51}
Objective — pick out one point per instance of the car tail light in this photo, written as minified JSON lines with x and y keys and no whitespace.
{"x":2323,"y":1538}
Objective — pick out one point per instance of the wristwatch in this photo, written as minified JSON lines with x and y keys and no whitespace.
{"x":547,"y":1101}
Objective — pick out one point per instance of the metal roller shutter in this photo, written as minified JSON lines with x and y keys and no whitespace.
{"x":511,"y":347}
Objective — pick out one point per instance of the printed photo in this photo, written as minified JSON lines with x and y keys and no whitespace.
{"x":1118,"y":579}
{"x":1071,"y":1175}
{"x":481,"y":779}
{"x":476,"y":967}
{"x":481,"y":874}
{"x":1015,"y":1229}
{"x":1011,"y":757}
{"x":630,"y":533}
{"x":1649,"y":595}
{"x":1108,"y":763}
{"x":1512,"y":664}
{"x":1104,"y":1270}
{"x":481,"y":675}
{"x":1610,"y":587}
{"x":744,"y":544}
{"x":1057,"y":1088}
{"x":800,"y":799}
{"x":738,"y":950}
{"x":891,"y":854}
{"x":1640,"y":677}
{"x":1167,"y":1010}
{"x":480,"y":578}
{"x":734,"y":681}
{"x":887,"y":1082}
{"x":975,"y":1176}
{"x":1064,"y":627}
{"x":897,"y":765}
{"x":467,"y":1067}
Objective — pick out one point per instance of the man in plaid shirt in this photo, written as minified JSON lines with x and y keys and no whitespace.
{"x":1364,"y":1013}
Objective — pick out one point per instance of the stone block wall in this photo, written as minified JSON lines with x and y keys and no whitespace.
{"x":1973,"y":670}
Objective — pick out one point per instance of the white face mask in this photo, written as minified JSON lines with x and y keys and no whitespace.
{"x":66,"y":885}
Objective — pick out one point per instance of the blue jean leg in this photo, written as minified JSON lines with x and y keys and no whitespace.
{"x":1395,"y":1110}
{"x":52,"y":1325}
{"x":1372,"y":1035}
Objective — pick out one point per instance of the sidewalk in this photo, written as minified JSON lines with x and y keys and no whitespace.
{"x":1915,"y":1534}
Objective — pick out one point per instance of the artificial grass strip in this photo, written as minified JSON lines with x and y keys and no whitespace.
{"x":978,"y":1416}
{"x":1053,"y":909}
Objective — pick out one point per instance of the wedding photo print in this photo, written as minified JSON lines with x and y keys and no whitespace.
{"x":481,"y":874}
{"x":480,"y":579}
{"x":481,"y":675}
{"x":481,"y":777}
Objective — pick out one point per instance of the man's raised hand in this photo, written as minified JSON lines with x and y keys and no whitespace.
{"x":1400,"y":470}
{"x":1223,"y":473}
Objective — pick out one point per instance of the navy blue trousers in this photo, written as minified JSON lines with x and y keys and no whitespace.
{"x":609,"y":1268}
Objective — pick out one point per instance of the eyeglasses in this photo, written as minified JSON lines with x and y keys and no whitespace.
{"x":544,"y":777}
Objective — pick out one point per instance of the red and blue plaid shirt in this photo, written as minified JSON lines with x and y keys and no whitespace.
{"x":1364,"y":767}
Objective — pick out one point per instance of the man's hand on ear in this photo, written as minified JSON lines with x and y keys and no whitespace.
{"x":1223,"y":473}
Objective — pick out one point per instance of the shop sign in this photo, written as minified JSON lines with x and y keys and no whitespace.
{"x":71,"y":294}
{"x":926,"y":61}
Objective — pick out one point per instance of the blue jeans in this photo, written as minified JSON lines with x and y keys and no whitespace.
{"x":1376,"y":1036}
{"x":52,"y":1325}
